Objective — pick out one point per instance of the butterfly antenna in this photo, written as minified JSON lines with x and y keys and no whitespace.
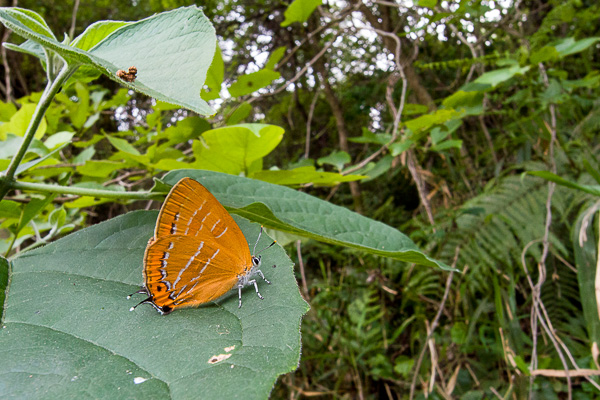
{"x":259,"y":235}
{"x":148,"y":300}
{"x":268,"y":247}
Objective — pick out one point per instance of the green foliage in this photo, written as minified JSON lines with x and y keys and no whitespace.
{"x":295,"y":212}
{"x":584,"y":240}
{"x":299,"y":11}
{"x":250,"y":83}
{"x":142,"y":44}
{"x":85,"y":315}
{"x":304,"y":175}
{"x":338,"y":159}
{"x":3,"y":281}
{"x":236,"y":149}
{"x":500,"y":220}
{"x":495,"y":96}
{"x":214,"y":77}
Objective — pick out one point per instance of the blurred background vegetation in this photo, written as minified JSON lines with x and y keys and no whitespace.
{"x":444,"y":107}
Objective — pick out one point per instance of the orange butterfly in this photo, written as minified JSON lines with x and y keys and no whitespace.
{"x":198,"y":252}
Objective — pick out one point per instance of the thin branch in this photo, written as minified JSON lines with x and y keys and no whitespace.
{"x":309,"y":122}
{"x":298,"y":75}
{"x":7,"y":72}
{"x":396,"y":112}
{"x":556,"y":373}
{"x":433,"y":326}
{"x":301,"y":264}
{"x":537,"y":304}
{"x":342,"y":14}
{"x":412,"y":168}
{"x":73,"y":20}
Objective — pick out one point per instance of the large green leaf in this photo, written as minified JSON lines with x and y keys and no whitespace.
{"x":171,"y":50}
{"x":68,"y":332}
{"x":234,"y":149}
{"x":298,"y":213}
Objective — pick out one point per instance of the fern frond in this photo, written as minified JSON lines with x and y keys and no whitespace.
{"x":505,"y":220}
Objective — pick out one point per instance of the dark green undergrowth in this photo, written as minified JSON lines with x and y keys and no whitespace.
{"x":447,"y":252}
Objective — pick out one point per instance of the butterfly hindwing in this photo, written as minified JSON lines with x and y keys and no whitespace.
{"x":182,"y":271}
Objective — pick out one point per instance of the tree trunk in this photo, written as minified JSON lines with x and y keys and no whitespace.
{"x":338,"y":114}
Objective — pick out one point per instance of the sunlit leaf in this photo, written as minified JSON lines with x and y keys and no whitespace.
{"x":549,"y":176}
{"x":214,"y":77}
{"x":299,"y":11}
{"x":250,"y":83}
{"x":99,"y":168}
{"x":241,"y":112}
{"x":233,"y":149}
{"x":275,"y":57}
{"x":498,"y":76}
{"x":303,"y":175}
{"x":570,"y":46}
{"x":20,"y":121}
{"x":338,"y":159}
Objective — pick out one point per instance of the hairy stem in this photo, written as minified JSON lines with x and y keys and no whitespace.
{"x":107,"y":194}
{"x":6,"y":181}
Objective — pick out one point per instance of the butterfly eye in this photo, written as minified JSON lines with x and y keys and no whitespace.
{"x":256,"y":260}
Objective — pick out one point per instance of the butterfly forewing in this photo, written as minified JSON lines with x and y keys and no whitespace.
{"x":182,"y":271}
{"x":191,"y":210}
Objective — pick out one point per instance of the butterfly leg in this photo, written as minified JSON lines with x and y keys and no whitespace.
{"x":253,"y":281}
{"x":262,"y":276}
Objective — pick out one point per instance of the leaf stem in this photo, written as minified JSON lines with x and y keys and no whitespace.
{"x":107,"y":194}
{"x":53,"y":86}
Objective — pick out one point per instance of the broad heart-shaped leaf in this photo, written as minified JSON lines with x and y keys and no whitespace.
{"x":171,"y":51}
{"x":67,"y":330}
{"x":291,"y":211}
{"x":235,"y":149}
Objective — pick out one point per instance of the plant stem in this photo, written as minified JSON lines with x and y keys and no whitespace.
{"x":53,"y":86}
{"x":107,"y":194}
